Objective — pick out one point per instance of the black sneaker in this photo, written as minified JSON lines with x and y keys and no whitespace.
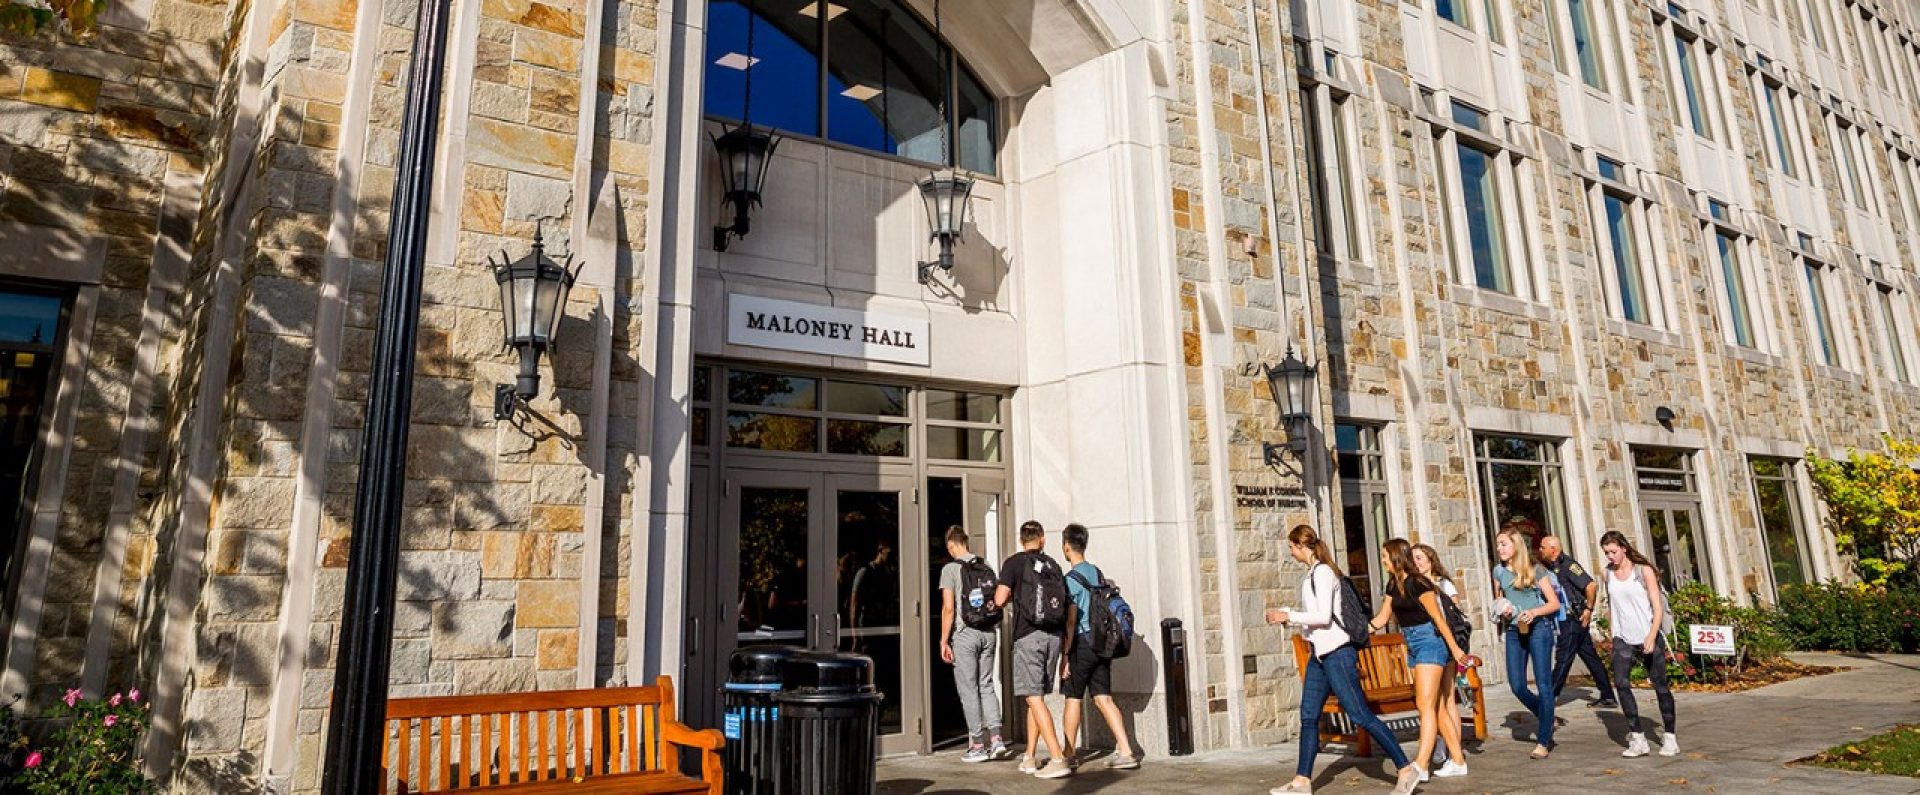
{"x":1605,"y":703}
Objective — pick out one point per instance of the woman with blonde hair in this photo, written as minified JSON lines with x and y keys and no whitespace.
{"x":1414,"y":604}
{"x":1527,"y":595}
{"x":1334,"y":667}
{"x":1426,"y":560}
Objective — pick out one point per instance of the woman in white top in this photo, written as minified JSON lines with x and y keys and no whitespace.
{"x":1334,"y":667}
{"x":1639,"y":609}
{"x":1427,"y":560}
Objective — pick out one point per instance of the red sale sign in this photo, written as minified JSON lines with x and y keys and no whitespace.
{"x":1711,"y":639}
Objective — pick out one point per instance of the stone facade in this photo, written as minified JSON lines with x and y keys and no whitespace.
{"x":233,"y":164}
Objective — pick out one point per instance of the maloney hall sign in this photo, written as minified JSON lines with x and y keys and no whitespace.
{"x":833,"y":331}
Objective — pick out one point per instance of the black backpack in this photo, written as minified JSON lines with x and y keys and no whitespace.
{"x":1348,"y":615}
{"x":1457,"y":622}
{"x":1109,"y":615}
{"x":1042,"y":597}
{"x":977,"y":584}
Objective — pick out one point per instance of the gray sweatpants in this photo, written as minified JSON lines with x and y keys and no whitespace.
{"x":973,"y":652}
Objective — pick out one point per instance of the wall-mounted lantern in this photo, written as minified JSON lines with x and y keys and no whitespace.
{"x":947,"y":195}
{"x":745,"y":152}
{"x":533,"y":298}
{"x":1292,"y":386}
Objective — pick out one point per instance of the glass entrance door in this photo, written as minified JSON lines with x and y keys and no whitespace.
{"x":1674,"y":531}
{"x":813,"y":561}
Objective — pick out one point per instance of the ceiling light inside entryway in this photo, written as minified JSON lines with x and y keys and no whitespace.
{"x":813,"y":10}
{"x":860,"y":93}
{"x":734,"y":60}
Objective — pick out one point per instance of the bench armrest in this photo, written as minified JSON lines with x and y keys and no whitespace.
{"x":708,"y":742}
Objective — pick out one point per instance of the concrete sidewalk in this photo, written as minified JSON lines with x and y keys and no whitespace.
{"x":1731,"y":743}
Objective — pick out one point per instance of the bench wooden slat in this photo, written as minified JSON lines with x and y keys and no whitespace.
{"x":508,"y":743}
{"x":1387,"y":682}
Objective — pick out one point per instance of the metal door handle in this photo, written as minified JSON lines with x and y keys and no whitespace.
{"x":693,"y":645}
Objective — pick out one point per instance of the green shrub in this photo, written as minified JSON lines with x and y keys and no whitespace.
{"x":1836,"y":616}
{"x":96,"y":750}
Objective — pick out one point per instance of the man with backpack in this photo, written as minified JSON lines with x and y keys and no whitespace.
{"x":967,"y":586}
{"x":1034,"y":593}
{"x":1091,"y":648}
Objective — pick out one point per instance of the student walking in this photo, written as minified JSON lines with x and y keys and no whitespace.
{"x":1087,"y":673}
{"x":1580,"y":591}
{"x":1427,"y":561}
{"x":1529,"y":595}
{"x":967,"y":586}
{"x":1639,"y":609}
{"x":1034,"y":593}
{"x":1414,"y":605}
{"x":1334,"y":667}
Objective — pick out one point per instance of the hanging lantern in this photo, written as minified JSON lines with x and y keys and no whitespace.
{"x":745,"y":152}
{"x":1291,"y":385}
{"x":947,"y":195}
{"x":533,"y":299}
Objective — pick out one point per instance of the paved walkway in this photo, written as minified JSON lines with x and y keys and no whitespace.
{"x":1732,"y":743}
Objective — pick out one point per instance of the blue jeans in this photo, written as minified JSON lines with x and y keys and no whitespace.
{"x":1338,"y":674}
{"x":1536,"y":646}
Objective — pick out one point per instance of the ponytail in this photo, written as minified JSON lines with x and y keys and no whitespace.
{"x":1306,"y":537}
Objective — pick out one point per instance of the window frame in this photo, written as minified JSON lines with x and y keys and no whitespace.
{"x":1341,"y":227}
{"x":1896,"y":337}
{"x":1549,"y":461}
{"x":1506,"y":175}
{"x":1789,"y":482}
{"x":1639,"y":212}
{"x":1696,"y":76}
{"x":1748,"y":266}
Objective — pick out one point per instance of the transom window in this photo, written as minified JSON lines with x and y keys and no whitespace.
{"x":782,"y":413}
{"x":866,"y":73}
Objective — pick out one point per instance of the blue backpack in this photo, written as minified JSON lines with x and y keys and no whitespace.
{"x":1110,"y":616}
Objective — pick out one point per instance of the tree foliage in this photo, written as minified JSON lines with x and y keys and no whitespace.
{"x":1873,"y":508}
{"x":70,"y":18}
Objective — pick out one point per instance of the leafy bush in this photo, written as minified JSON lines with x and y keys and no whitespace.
{"x":95,"y":751}
{"x":1836,"y":616}
{"x":1873,"y":509}
{"x":1756,"y":637}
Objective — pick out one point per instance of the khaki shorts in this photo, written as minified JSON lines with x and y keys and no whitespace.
{"x":1036,"y":658}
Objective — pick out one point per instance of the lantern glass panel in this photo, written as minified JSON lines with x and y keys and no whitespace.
{"x":507,"y":313}
{"x":551,"y":291}
{"x":1297,"y":390}
{"x":523,"y":304}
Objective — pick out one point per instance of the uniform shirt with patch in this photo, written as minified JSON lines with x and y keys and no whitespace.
{"x":1575,"y":579}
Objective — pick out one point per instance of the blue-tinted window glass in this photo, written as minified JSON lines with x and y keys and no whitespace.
{"x":785,"y":63}
{"x":1690,"y":78}
{"x":1451,"y":11}
{"x":977,"y":131}
{"x":1822,"y":319}
{"x":885,"y":78}
{"x":1584,"y":44}
{"x":1611,"y":169}
{"x":1734,"y":277}
{"x":1626,"y":263}
{"x":30,"y":319}
{"x":1469,"y":116}
{"x":1484,"y":232}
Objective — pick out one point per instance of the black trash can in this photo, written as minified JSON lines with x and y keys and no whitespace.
{"x":753,"y":676}
{"x":829,"y":730}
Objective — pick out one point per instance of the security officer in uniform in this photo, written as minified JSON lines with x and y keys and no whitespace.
{"x":1578,"y":589}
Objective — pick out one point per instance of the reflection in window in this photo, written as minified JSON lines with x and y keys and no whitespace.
{"x":1778,"y":498}
{"x":773,"y":564}
{"x":776,"y":432}
{"x":1891,"y":328}
{"x":1480,"y":190}
{"x":963,"y":444}
{"x":1365,"y":519}
{"x":962,"y":406}
{"x":1733,"y":278}
{"x":861,"y":437}
{"x":1585,"y":44}
{"x":879,"y":400}
{"x":1695,"y":90}
{"x":29,"y":319}
{"x":1820,"y":316}
{"x":1521,"y":487}
{"x":1622,"y":244}
{"x":886,"y":81}
{"x":1777,"y":126}
{"x":773,"y":391}
{"x":785,"y":63}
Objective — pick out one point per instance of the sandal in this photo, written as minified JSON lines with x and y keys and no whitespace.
{"x":1539,"y":752}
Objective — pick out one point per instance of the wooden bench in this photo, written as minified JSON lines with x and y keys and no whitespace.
{"x":616,"y":739}
{"x":1387,"y":681}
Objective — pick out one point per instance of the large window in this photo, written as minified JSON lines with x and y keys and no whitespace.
{"x":1337,"y":223}
{"x":1782,"y":150}
{"x":1743,"y":319}
{"x":1895,"y":336}
{"x":1777,"y":496}
{"x":867,"y":73}
{"x":1693,"y":64}
{"x":30,"y":328}
{"x":1483,"y":171}
{"x":782,"y":413}
{"x":1621,"y":215}
{"x":1586,"y":42}
{"x":1847,"y":160}
{"x":1820,"y":312}
{"x":1521,"y":486}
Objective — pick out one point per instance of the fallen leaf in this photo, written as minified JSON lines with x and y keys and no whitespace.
{"x":1678,"y":782}
{"x":1611,"y":771}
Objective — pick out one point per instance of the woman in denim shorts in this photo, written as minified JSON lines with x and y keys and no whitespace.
{"x":1413,"y":604}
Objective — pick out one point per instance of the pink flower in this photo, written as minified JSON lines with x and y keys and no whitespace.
{"x":34,"y":759}
{"x":134,"y":695}
{"x":115,"y":701}
{"x":111,"y":719}
{"x":72,"y":696}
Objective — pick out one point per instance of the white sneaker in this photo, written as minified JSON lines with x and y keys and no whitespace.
{"x":1636,"y":746}
{"x":1669,"y":746}
{"x":1451,"y":769}
{"x":1409,"y":778}
{"x":1424,"y":775}
{"x":1029,"y":765}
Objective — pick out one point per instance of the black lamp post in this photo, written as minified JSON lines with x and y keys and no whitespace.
{"x":1292,"y":386}
{"x":947,"y":195}
{"x":356,"y":723}
{"x":745,"y":151}
{"x":533,"y":298}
